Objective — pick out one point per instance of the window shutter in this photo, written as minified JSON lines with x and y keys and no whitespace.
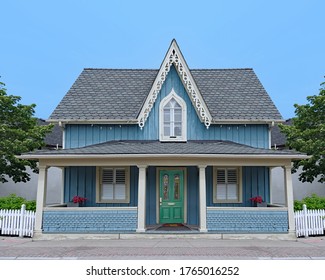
{"x":221,"y":176}
{"x":120,"y":184}
{"x":232,"y":176}
{"x":107,"y":183}
{"x":232,"y":184}
{"x":221,"y":184}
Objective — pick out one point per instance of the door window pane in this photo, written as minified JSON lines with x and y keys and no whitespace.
{"x":176,"y":187}
{"x":166,"y":186}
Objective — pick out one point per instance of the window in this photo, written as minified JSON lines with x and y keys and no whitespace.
{"x":227,"y":187}
{"x":172,"y":118}
{"x":113,"y":185}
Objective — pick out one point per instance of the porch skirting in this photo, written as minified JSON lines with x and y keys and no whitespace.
{"x":235,"y":220}
{"x":247,"y":220}
{"x":90,"y":220}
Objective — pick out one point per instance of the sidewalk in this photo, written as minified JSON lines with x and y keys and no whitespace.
{"x":161,"y":248}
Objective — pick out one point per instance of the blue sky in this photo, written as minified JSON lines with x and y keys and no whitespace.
{"x":46,"y":44}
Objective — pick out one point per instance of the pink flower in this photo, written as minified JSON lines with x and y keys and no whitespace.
{"x":256,"y":199}
{"x":78,"y":199}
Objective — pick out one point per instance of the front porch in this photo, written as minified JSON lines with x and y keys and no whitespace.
{"x":132,"y":186}
{"x":199,"y":209}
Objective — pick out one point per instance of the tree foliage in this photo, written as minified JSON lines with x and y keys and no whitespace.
{"x":307,"y":135}
{"x":19,"y":133}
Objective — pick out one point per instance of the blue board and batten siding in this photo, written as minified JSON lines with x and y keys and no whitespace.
{"x":81,"y":181}
{"x":255,"y":181}
{"x":87,"y":134}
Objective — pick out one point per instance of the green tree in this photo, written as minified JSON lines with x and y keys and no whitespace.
{"x":19,"y":133}
{"x":307,"y":135}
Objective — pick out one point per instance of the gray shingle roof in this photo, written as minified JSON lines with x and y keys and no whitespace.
{"x":278,"y":139}
{"x":54,"y":138}
{"x":115,"y":94}
{"x":156,"y":147}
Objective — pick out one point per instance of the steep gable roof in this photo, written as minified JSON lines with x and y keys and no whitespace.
{"x":127,"y":95}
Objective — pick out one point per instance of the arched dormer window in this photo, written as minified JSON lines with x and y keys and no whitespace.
{"x":172,"y":118}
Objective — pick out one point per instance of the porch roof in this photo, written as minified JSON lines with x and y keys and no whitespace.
{"x":156,"y":148}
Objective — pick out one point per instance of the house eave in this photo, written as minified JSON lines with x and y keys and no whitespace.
{"x":135,"y":121}
{"x":142,"y":156}
{"x":93,"y":121}
{"x":246,"y":121}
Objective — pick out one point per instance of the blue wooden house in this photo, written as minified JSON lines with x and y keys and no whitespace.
{"x":170,"y":146}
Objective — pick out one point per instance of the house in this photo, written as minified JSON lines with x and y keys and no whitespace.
{"x":28,"y":189}
{"x":165,"y":147}
{"x":300,"y":189}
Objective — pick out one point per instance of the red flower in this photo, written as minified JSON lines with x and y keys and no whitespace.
{"x":256,"y":199}
{"x":78,"y":199}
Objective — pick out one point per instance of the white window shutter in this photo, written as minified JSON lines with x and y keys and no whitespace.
{"x":232,"y":184}
{"x":120,"y":184}
{"x":107,"y":184}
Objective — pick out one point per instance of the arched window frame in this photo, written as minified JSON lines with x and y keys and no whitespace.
{"x":163,"y":103}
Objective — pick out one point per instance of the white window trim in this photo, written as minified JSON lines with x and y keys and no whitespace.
{"x":239,"y":187}
{"x":163,"y":103}
{"x":99,"y":185}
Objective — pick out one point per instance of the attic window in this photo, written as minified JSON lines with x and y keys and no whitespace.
{"x":172,"y":118}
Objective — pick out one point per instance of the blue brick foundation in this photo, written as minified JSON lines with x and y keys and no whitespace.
{"x":90,"y":221}
{"x":247,"y":221}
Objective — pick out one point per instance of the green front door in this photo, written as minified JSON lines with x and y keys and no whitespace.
{"x":171,"y":198}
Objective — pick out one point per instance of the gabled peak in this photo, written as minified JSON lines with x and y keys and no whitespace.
{"x":175,"y":57}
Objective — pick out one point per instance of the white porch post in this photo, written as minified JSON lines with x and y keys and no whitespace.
{"x":289,"y":197}
{"x":202,"y":194}
{"x":40,"y":198}
{"x":142,"y":199}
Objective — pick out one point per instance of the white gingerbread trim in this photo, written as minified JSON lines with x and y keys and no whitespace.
{"x":174,"y":56}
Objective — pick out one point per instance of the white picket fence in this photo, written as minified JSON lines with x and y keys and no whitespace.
{"x":310,"y":222}
{"x":17,"y":222}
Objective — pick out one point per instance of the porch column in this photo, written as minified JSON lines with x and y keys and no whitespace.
{"x":40,"y":197}
{"x":142,"y":199}
{"x":289,"y":197}
{"x":202,"y":195}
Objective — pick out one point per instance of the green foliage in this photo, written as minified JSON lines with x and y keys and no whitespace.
{"x":19,"y":133}
{"x":312,"y":202}
{"x":15,"y":202}
{"x":307,"y":135}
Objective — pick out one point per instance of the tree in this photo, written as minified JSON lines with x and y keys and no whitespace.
{"x":19,"y":133}
{"x":307,"y":135}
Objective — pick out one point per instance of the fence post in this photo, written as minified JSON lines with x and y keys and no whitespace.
{"x":21,"y":220}
{"x":304,"y":208}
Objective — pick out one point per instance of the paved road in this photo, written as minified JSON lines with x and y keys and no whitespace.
{"x":161,"y":248}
